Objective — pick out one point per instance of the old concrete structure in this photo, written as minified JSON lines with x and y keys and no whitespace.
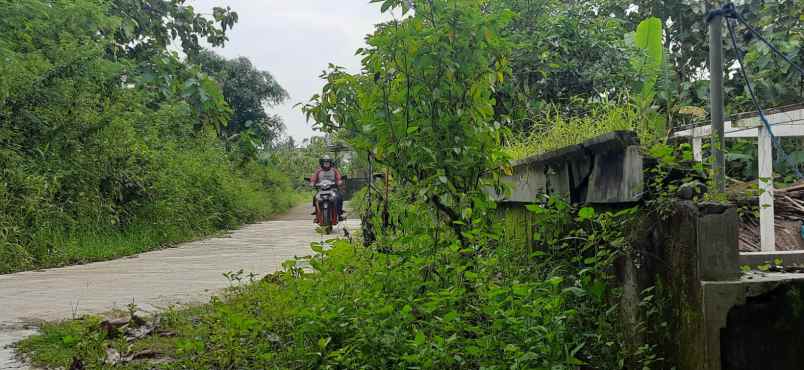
{"x":605,"y":170}
{"x":691,"y":253}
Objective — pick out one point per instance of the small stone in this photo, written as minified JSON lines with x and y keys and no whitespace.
{"x":112,"y":326}
{"x":112,"y":357}
{"x":690,"y":190}
{"x":140,"y":317}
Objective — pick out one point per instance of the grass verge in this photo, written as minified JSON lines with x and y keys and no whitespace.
{"x":413,"y":302}
{"x":59,"y":249}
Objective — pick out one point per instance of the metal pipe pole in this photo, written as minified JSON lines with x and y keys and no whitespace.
{"x":716,"y":100}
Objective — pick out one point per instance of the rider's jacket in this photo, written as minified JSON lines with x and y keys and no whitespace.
{"x":321,"y":174}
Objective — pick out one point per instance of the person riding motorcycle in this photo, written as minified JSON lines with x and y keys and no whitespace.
{"x":327,"y":171}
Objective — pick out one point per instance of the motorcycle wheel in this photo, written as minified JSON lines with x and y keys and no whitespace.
{"x":326,"y":219}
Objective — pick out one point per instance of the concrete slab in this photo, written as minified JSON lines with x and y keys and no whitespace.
{"x":758,"y":258}
{"x":719,"y":297}
{"x":607,"y":169}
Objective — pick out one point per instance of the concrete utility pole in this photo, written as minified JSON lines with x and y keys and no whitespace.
{"x":715,"y":20}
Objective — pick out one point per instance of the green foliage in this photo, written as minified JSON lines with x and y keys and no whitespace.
{"x":564,"y":54}
{"x":105,"y":154}
{"x":248,"y":91}
{"x":61,"y":341}
{"x":148,"y":26}
{"x":551,"y":129}
{"x":569,"y":54}
{"x":774,"y":80}
{"x":649,"y":64}
{"x":687,"y":43}
{"x":424,"y":102}
{"x":648,"y":39}
{"x":541,"y":305}
{"x":555,"y":130}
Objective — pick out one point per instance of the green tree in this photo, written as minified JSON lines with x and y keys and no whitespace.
{"x":424,"y":103}
{"x":568,"y":55}
{"x":147,"y":27}
{"x":248,"y":91}
{"x":564,"y":54}
{"x":686,"y":37}
{"x":98,"y":141}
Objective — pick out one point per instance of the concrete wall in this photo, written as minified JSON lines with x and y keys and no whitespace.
{"x":695,"y":243}
{"x":604,"y":170}
{"x":714,"y":312}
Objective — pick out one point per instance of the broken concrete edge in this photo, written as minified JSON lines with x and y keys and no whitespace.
{"x":720,"y":297}
{"x":712,"y":208}
{"x":615,"y":140}
{"x":607,"y":169}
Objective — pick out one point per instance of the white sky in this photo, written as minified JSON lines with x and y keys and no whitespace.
{"x":295,"y":40}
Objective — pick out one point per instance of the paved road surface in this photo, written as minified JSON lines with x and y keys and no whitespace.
{"x":189,"y":273}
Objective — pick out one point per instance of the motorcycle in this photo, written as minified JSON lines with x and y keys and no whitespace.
{"x":326,"y":213}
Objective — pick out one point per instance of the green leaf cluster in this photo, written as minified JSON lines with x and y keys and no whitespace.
{"x":248,"y":91}
{"x":108,"y":141}
{"x":424,"y":102}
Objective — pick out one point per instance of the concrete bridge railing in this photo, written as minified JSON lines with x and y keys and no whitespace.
{"x":604,"y":169}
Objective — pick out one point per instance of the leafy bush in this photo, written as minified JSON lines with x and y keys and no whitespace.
{"x":423,"y":103}
{"x":108,"y":141}
{"x":130,"y":196}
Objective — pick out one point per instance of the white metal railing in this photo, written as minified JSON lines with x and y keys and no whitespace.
{"x":784,"y":124}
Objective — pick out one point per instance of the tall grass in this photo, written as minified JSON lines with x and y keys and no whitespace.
{"x":555,"y":130}
{"x":158,"y":197}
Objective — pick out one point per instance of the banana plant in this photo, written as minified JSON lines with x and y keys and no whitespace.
{"x":648,"y":63}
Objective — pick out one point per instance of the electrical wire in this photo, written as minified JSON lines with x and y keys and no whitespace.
{"x":744,"y":74}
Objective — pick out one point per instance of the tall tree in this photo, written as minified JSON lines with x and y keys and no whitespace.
{"x":148,"y":26}
{"x":424,"y":103}
{"x":248,"y":91}
{"x":686,"y":37}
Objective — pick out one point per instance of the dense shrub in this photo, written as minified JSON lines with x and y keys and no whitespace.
{"x":123,"y":180}
{"x":107,"y":150}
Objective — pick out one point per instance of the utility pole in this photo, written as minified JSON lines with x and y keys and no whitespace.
{"x":715,"y":20}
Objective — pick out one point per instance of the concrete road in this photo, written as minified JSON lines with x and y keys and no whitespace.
{"x":189,"y":273}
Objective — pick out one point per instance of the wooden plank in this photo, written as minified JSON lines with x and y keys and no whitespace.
{"x":767,"y":234}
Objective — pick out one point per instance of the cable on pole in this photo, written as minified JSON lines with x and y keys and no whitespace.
{"x":754,"y":100}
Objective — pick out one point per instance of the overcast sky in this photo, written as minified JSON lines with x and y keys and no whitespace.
{"x":295,"y":40}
